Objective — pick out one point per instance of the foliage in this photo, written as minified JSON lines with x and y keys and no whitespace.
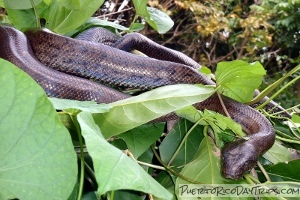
{"x":214,"y":31}
{"x":252,"y":31}
{"x":37,"y":156}
{"x":104,"y":130}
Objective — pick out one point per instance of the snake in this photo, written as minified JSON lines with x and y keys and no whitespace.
{"x":82,"y":70}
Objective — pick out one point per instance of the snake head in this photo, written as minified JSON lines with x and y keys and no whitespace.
{"x":237,"y":158}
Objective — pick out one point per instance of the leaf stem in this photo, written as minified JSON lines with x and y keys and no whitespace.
{"x":143,"y":163}
{"x":134,"y":19}
{"x":81,"y":179}
{"x":251,"y":179}
{"x":287,"y":109}
{"x":223,"y":105}
{"x":294,"y":133}
{"x":271,"y":87}
{"x":287,"y":140}
{"x":283,"y":134}
{"x":37,"y":18}
{"x":112,"y":195}
{"x":248,"y":179}
{"x":262,"y":169}
{"x":278,"y":92}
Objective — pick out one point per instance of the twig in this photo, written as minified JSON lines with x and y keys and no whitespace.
{"x":143,"y":163}
{"x":262,"y":169}
{"x":113,"y":13}
{"x":171,"y":170}
{"x":223,"y":105}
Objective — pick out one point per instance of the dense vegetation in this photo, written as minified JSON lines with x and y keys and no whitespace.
{"x":37,"y":142}
{"x":214,"y":31}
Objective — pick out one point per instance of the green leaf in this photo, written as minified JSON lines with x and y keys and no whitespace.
{"x":37,"y":156}
{"x":238,"y":79}
{"x":141,"y":7}
{"x":62,"y":16}
{"x":205,"y":70}
{"x":288,"y":171}
{"x":48,"y":2}
{"x":76,"y":106}
{"x":221,"y":125}
{"x":278,"y":153}
{"x":22,"y":19}
{"x":148,"y":106}
{"x":141,"y":10}
{"x":113,"y":169}
{"x":128,"y":195}
{"x":73,"y":4}
{"x":171,"y":142}
{"x":137,"y":27}
{"x":139,"y":139}
{"x":295,"y":118}
{"x":166,"y":180}
{"x":20,"y":4}
{"x":63,"y":20}
{"x":211,"y":118}
{"x":159,"y":20}
{"x":87,"y":196}
{"x":92,"y":21}
{"x":205,"y":168}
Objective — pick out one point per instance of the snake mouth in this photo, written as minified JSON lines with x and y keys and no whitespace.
{"x":238,"y":157}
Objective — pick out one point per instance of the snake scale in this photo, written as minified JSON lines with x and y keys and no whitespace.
{"x":63,"y":67}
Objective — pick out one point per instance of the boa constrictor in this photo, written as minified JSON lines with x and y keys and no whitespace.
{"x":63,"y":67}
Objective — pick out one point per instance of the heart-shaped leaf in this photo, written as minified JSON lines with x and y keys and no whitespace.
{"x":238,"y":79}
{"x":37,"y":156}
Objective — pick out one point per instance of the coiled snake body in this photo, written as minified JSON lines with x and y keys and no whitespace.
{"x":71,"y":59}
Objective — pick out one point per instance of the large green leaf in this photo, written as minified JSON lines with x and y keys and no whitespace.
{"x":238,"y":79}
{"x":37,"y":156}
{"x":113,"y":169}
{"x":20,"y":4}
{"x":159,"y":20}
{"x":132,"y":112}
{"x":59,"y":18}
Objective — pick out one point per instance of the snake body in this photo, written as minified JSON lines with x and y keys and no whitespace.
{"x":72,"y":59}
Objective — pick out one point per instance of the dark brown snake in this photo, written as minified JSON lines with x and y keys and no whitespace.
{"x":113,"y":66}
